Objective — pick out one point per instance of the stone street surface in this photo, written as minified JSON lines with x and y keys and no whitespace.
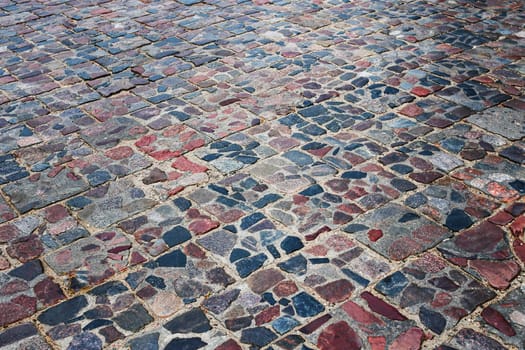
{"x":235,"y":174}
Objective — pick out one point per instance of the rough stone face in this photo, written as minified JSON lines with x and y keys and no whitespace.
{"x":506,"y":318}
{"x":485,"y":251}
{"x":262,"y":174}
{"x":405,"y":233}
{"x":43,"y":189}
{"x":439,"y":294}
{"x":23,"y":336}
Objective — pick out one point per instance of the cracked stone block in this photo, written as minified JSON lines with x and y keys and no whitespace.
{"x":26,"y":290}
{"x":44,"y":188}
{"x":504,"y":318}
{"x":234,"y":196}
{"x":364,"y":321}
{"x":98,"y":318}
{"x":169,"y":225}
{"x":483,"y":251}
{"x":177,"y":279}
{"x":23,"y":336}
{"x":92,"y":260}
{"x":110,"y":203}
{"x":396,"y":232}
{"x":438,"y":294}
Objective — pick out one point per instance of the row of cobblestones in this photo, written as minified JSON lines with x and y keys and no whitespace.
{"x":234,"y":174}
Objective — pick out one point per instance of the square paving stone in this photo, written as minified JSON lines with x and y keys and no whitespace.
{"x":432,"y":50}
{"x":234,"y":197}
{"x":411,"y":32}
{"x":396,"y":232}
{"x":276,"y":135}
{"x":114,"y":163}
{"x":483,"y":251}
{"x":473,"y":95}
{"x":508,"y":79}
{"x":257,"y":81}
{"x":515,"y":153}
{"x":438,"y":21}
{"x":344,"y":150}
{"x":335,"y":267}
{"x":167,"y":47}
{"x":316,"y":85}
{"x":125,"y":43}
{"x":452,"y":204}
{"x":30,"y":86}
{"x":44,"y":188}
{"x":368,"y":185}
{"x":10,"y":169}
{"x":166,"y":179}
{"x":421,"y":161}
{"x":60,"y":123}
{"x":187,"y":329}
{"x":92,"y":260}
{"x":170,"y":112}
{"x":378,"y":42}
{"x":110,"y":203}
{"x":68,"y":97}
{"x":467,"y":142}
{"x":158,"y":69}
{"x":253,"y":59}
{"x":485,"y":56}
{"x":168,"y":225}
{"x":110,"y":133}
{"x":435,"y":112}
{"x":22,"y":110}
{"x":301,"y":129}
{"x":176,"y":279}
{"x":314,"y":210}
{"x":291,"y":172}
{"x":87,"y":70}
{"x":454,"y":69}
{"x":171,"y":142}
{"x":23,"y":336}
{"x":392,"y":130}
{"x":335,"y":116}
{"x":53,"y":153}
{"x":115,"y":106}
{"x":16,"y":136}
{"x":468,"y":337}
{"x":418,"y":82}
{"x":438,"y":294}
{"x":271,"y":104}
{"x":119,"y":62}
{"x":125,"y":80}
{"x":224,"y":121}
{"x":263,"y":308}
{"x":504,"y":318}
{"x":215,"y":97}
{"x":164,"y":89}
{"x":26,"y":290}
{"x":103,"y":315}
{"x":6,"y":212}
{"x":378,"y":97}
{"x":503,"y":121}
{"x":44,"y":231}
{"x":496,"y":177}
{"x":388,"y":64}
{"x":363,"y":322}
{"x":234,"y":152}
{"x":250,"y":243}
{"x":462,"y":39}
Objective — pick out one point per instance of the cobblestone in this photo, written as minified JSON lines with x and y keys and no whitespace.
{"x":262,"y":174}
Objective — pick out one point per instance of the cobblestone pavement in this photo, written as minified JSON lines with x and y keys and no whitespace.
{"x":234,"y":174}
